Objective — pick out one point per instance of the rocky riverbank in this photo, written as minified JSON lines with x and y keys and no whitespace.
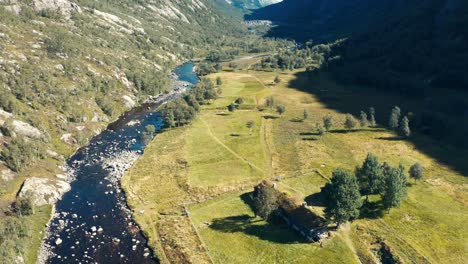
{"x":93,"y":221}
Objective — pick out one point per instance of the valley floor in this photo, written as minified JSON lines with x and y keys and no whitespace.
{"x":190,"y":189}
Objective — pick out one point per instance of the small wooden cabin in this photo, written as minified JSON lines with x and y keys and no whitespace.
{"x":297,"y":215}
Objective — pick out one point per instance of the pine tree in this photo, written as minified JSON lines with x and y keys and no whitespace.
{"x":328,"y":122}
{"x":395,"y":187}
{"x":394,"y":118}
{"x":404,"y":127}
{"x":372,"y":116}
{"x":344,"y":199}
{"x":350,"y":122}
{"x":305,"y":114}
{"x":370,"y":176}
{"x":363,"y":119}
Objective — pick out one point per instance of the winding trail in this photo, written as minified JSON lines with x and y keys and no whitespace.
{"x":210,"y":132}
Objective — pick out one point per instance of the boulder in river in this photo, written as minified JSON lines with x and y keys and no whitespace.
{"x":44,"y":191}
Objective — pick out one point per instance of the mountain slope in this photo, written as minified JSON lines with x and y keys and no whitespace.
{"x":323,"y":20}
{"x":69,"y":67}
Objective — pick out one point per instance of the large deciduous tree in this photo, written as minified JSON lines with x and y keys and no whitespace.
{"x":265,"y":202}
{"x":416,"y":171}
{"x":343,"y":197}
{"x":395,"y":186}
{"x":370,"y":176}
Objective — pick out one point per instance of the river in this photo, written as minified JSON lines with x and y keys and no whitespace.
{"x":92,"y":222}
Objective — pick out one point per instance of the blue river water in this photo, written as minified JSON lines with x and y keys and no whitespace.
{"x":93,"y":222}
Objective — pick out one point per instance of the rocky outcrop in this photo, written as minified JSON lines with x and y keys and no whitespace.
{"x":128,"y":101}
{"x":25,"y":129}
{"x":44,"y":191}
{"x":64,"y":6}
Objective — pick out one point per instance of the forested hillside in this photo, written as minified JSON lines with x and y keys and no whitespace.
{"x":415,"y":48}
{"x":323,"y":20}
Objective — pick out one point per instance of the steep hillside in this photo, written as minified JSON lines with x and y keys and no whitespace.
{"x":324,"y":20}
{"x":68,"y":68}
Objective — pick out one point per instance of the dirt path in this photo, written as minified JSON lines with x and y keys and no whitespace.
{"x":210,"y":132}
{"x":344,"y":235}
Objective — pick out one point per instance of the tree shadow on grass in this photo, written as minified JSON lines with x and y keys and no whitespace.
{"x":392,"y":138}
{"x":309,"y":139}
{"x":270,"y":117}
{"x":316,"y":199}
{"x":296,"y":120}
{"x":309,"y":134}
{"x":273,"y":231}
{"x":372,"y":210}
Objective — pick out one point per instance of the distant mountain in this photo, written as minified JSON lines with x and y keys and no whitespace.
{"x":252,"y":4}
{"x":325,"y":20}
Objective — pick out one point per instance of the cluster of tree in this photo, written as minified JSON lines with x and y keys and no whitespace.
{"x":297,"y":58}
{"x":204,"y":69}
{"x":181,"y":111}
{"x":345,"y":190}
{"x":13,"y":231}
{"x":19,"y":153}
{"x":397,"y":125}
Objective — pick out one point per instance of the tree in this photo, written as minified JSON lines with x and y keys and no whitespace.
{"x":370,"y":176}
{"x":239,"y":100}
{"x":281,"y":109}
{"x":277,"y":79}
{"x":320,"y":130}
{"x":328,"y":122}
{"x":394,"y":118}
{"x":25,"y":205}
{"x":305,"y":115}
{"x":219,"y":81}
{"x":231,"y":107}
{"x":363,"y":119}
{"x":416,"y":171}
{"x":265,"y":202}
{"x":395,"y":186}
{"x":404,"y":127}
{"x":350,"y":122}
{"x":150,"y":130}
{"x":270,"y":102}
{"x":344,"y":199}
{"x":250,"y":124}
{"x":372,"y":116}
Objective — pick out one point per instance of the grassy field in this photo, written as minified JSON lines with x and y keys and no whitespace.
{"x":211,"y":164}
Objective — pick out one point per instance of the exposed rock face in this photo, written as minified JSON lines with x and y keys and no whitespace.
{"x":129,"y":102}
{"x":7,"y":175}
{"x":25,"y":129}
{"x":4,"y":116}
{"x":64,"y":6}
{"x":44,"y":191}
